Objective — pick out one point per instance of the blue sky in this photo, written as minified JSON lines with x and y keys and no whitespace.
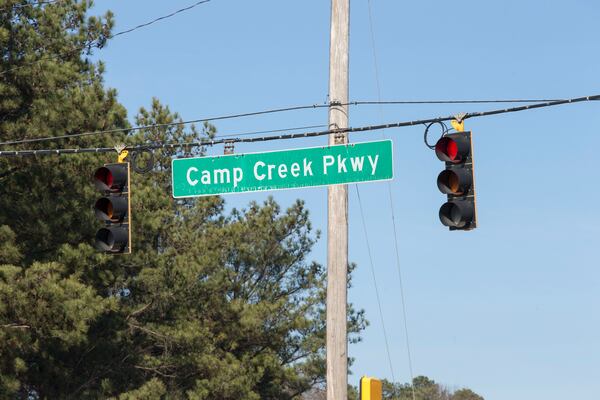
{"x":510,"y":309}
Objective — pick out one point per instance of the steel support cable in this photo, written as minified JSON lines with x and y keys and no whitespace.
{"x":212,"y":142}
{"x":166,"y":125}
{"x":385,"y":336}
{"x":263,"y":112}
{"x":391,"y":202}
{"x":408,"y":102}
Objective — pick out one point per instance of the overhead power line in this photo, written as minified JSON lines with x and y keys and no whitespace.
{"x":212,"y":142}
{"x":159,"y":19}
{"x":79,"y":50}
{"x":299,"y":128}
{"x":270,"y":111}
{"x":375,"y":286}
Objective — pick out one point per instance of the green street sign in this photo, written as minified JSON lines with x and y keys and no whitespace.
{"x":285,"y":169}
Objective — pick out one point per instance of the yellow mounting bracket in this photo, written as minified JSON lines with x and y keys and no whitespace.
{"x":458,"y":122}
{"x":122,"y":156}
{"x":122,"y":153}
{"x":459,"y":126}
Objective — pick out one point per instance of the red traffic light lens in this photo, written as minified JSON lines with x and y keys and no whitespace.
{"x":103,"y":178}
{"x":111,"y":177}
{"x":446,"y":149}
{"x":454,"y":147}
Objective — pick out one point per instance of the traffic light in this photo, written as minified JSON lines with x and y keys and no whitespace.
{"x":457,"y":181}
{"x":113,"y":208}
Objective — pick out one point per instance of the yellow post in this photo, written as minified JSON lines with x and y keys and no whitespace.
{"x":370,"y":389}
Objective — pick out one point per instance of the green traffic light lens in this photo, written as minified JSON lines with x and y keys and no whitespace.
{"x":456,"y":214}
{"x":112,"y":239}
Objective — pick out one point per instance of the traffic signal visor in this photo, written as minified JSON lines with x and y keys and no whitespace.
{"x":111,"y":178}
{"x":113,"y":239}
{"x":456,"y":181}
{"x":457,"y":213}
{"x":112,"y":209}
{"x":453,"y":149}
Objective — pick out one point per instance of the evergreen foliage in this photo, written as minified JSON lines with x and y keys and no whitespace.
{"x":425,"y":389}
{"x":211,"y":304}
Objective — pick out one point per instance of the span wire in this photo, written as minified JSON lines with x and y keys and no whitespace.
{"x":212,"y":142}
{"x":264,"y":112}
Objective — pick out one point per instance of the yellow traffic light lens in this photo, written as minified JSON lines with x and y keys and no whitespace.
{"x":449,"y":182}
{"x":455,"y":181}
{"x":103,"y":209}
{"x":111,"y":208}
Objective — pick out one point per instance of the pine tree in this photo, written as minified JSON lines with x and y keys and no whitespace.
{"x":211,"y":304}
{"x":424,"y":388}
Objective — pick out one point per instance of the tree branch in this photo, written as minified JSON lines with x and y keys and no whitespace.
{"x":138,"y":312}
{"x":15,"y":326}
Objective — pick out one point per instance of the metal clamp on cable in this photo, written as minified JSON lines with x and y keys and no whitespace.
{"x":122,"y":153}
{"x":340,"y":138}
{"x":229,"y":148}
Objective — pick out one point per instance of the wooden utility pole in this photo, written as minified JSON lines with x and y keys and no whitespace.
{"x":337,"y":210}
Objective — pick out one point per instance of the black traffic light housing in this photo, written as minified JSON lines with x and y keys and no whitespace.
{"x":113,"y":208}
{"x":457,"y":181}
